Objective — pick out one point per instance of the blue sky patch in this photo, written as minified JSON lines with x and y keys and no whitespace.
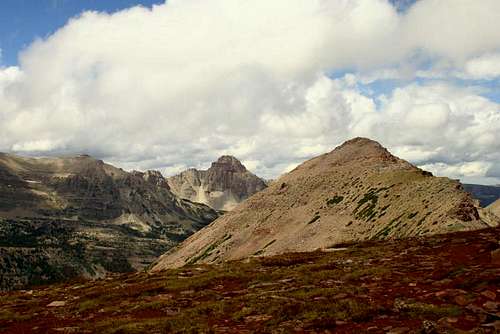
{"x":22,"y":21}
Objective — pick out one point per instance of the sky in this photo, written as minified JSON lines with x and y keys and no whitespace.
{"x":23,"y":21}
{"x":155,"y":85}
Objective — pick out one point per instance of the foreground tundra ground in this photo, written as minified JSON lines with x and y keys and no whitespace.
{"x":446,"y":283}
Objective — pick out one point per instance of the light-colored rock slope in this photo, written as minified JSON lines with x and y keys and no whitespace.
{"x":358,"y":191}
{"x":223,"y":186}
{"x":495,"y":207}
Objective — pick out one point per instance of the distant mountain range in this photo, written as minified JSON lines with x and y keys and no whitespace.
{"x":68,"y":217}
{"x":358,"y":191}
{"x":485,"y":194}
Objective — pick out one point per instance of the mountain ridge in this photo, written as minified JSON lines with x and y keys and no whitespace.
{"x":356,"y":192}
{"x":78,"y":216}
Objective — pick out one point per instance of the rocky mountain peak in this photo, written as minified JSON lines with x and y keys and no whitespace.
{"x":363,"y":148}
{"x":360,"y":141}
{"x":225,"y":184}
{"x":228,"y":163}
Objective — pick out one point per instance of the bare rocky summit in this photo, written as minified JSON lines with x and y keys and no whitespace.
{"x":78,"y":216}
{"x":223,"y":186}
{"x":359,"y":191}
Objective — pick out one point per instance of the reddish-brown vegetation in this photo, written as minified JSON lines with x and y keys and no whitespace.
{"x":445,"y":283}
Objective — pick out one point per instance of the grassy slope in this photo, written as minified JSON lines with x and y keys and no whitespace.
{"x":447,"y":281}
{"x":359,"y":191}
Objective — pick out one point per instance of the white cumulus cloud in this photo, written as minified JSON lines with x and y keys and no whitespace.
{"x":183,"y":82}
{"x":483,"y":67}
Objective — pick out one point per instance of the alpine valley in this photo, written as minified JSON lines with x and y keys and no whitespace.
{"x":62,"y":218}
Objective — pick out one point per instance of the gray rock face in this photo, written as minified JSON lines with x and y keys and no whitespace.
{"x":225,"y":184}
{"x":67,"y":217}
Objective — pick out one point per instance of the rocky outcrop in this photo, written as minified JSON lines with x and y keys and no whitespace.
{"x":359,"y":191}
{"x":225,"y":184}
{"x":67,"y":217}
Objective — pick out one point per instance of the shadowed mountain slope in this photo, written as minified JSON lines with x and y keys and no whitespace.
{"x":358,"y":191}
{"x":66,"y":217}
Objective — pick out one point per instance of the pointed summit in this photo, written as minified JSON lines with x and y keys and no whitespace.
{"x":363,"y":148}
{"x":228,"y":159}
{"x":362,"y":144}
{"x":355,"y":153}
{"x":360,"y":141}
{"x":229,"y":163}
